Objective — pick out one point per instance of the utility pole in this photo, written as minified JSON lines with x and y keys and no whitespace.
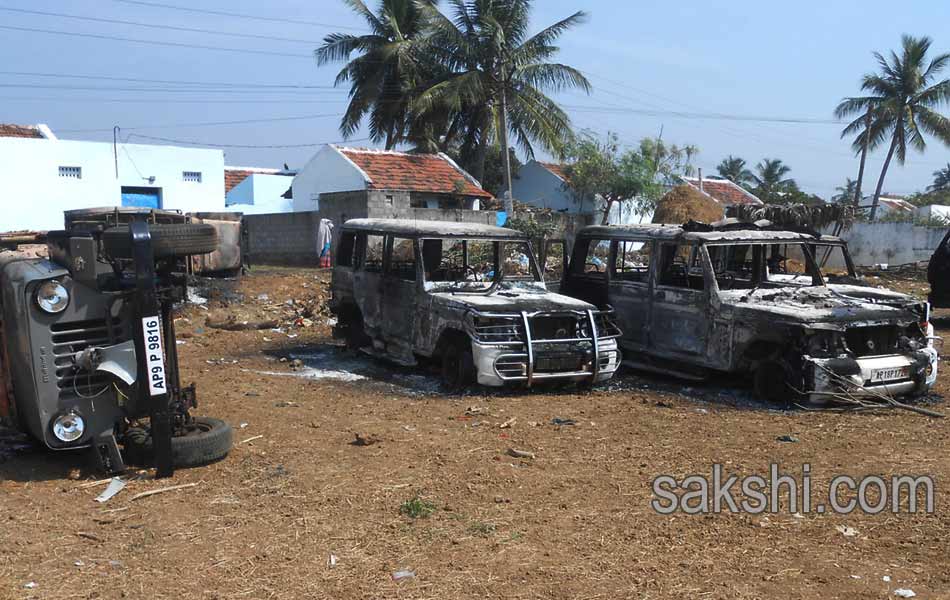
{"x":509,"y":202}
{"x":115,"y":149}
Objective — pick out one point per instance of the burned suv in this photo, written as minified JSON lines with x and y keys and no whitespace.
{"x":468,"y":297}
{"x":783,"y":306}
{"x":88,"y":356}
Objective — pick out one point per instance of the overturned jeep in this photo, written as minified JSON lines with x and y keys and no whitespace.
{"x":467,"y":297}
{"x":783,"y":306}
{"x":88,"y":356}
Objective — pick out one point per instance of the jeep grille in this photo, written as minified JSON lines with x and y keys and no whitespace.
{"x":70,"y":338}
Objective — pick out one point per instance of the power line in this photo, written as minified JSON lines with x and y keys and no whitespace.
{"x":164,"y":101}
{"x":166,"y":90}
{"x":226,"y":84}
{"x":222,"y":13}
{"x":698,"y":115}
{"x":193,"y":143}
{"x":156,"y":25}
{"x":153,"y":42}
{"x":209,"y":124}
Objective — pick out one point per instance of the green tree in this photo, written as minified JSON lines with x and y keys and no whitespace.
{"x":863,"y":126}
{"x":601,"y":170}
{"x":391,"y":61}
{"x":733,"y":168}
{"x":902,"y":99}
{"x":494,"y":178}
{"x":941,"y":180}
{"x":846,"y":192}
{"x":668,"y":162}
{"x":770,"y":183}
{"x":496,"y":77}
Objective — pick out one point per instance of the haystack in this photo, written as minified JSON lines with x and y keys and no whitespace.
{"x":684,"y":203}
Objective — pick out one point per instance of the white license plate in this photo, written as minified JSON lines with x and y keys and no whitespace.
{"x":878,"y":375}
{"x":154,"y":357}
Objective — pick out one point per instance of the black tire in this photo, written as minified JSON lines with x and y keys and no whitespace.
{"x":771,"y":384}
{"x":353,"y":332}
{"x":184,"y":239}
{"x":458,"y":365}
{"x":207,"y":440}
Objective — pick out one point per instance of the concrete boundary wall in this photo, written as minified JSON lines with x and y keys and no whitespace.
{"x":291,"y":238}
{"x":892,"y":243}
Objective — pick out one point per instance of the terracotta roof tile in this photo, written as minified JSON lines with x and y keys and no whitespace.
{"x":559,"y":170}
{"x":235,"y":175}
{"x":725,"y":191}
{"x":19,"y":131}
{"x":433,"y":173}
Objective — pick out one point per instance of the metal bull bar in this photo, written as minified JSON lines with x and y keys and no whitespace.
{"x":148,"y":327}
{"x":530,"y":341}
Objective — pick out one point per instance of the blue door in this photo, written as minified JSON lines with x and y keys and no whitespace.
{"x":142,"y":197}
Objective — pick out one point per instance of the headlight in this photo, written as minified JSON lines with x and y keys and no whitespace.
{"x":52,"y":297}
{"x":69,"y":427}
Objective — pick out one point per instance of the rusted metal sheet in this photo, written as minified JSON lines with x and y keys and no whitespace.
{"x":6,"y":386}
{"x":228,"y":255}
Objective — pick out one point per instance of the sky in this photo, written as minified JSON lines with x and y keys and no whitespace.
{"x":653,"y":67}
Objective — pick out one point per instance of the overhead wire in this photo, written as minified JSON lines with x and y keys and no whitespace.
{"x":222,"y":13}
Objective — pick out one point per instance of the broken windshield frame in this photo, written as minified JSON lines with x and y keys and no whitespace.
{"x":471,"y":264}
{"x":750,"y":264}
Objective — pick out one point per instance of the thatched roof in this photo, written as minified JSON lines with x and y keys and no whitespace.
{"x":685,"y":203}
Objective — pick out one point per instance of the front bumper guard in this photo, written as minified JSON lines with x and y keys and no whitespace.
{"x":603,"y":347}
{"x":832,"y":377}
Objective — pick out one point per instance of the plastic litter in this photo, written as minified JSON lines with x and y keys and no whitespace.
{"x":559,"y":421}
{"x":115,"y":486}
{"x":904,"y":593}
{"x":403,"y":574}
{"x":851,"y":532}
{"x":791,"y":439}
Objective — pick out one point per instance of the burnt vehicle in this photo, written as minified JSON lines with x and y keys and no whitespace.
{"x":938,"y":274}
{"x":785,"y":307}
{"x":88,"y":356}
{"x":467,"y":297}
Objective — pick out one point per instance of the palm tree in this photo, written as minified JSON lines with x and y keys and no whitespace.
{"x":770,"y":181}
{"x":390,"y":64}
{"x":846,"y":193}
{"x":497,"y":78}
{"x":903,"y":98}
{"x":864,"y":127}
{"x":941,"y":180}
{"x":733,"y":169}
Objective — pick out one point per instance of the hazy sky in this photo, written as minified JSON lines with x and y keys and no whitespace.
{"x":739,"y":58}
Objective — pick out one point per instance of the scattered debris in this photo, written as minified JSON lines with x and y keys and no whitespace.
{"x":369,"y":440}
{"x":232,"y":324}
{"x":296,"y":364}
{"x":163,"y":490}
{"x":89,"y":536}
{"x":886,"y":579}
{"x":847,"y":531}
{"x":507,"y":424}
{"x":115,"y":486}
{"x":560,"y":422}
{"x":520,"y":453}
{"x":251,"y":439}
{"x":787,"y":438}
{"x":332,"y":560}
{"x":31,"y":585}
{"x":904,"y":593}
{"x":403,"y":574}
{"x":286,"y":404}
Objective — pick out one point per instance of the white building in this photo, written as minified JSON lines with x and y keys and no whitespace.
{"x":547,"y":185}
{"x":257,"y":191}
{"x":895,"y":206}
{"x":402,"y":180}
{"x":42,"y":176}
{"x":933,"y":212}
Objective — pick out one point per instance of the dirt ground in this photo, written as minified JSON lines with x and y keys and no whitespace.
{"x":298,"y":511}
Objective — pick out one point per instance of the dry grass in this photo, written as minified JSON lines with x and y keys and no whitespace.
{"x":684,"y":203}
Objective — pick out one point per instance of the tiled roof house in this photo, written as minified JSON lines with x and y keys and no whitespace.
{"x":723,"y":191}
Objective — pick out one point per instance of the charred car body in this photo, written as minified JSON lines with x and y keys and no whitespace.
{"x":468,"y":296}
{"x":784,"y":306}
{"x":87,"y":342}
{"x":938,"y":274}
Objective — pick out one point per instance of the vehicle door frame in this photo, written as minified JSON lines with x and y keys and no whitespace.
{"x":396,"y":294}
{"x":691,"y":306}
{"x":627,"y":297}
{"x":570,"y":280}
{"x":367,"y":285}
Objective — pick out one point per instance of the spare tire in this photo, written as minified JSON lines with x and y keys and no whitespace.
{"x":205,"y":441}
{"x":183,"y":239}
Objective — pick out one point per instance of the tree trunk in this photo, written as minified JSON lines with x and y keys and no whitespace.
{"x":481,"y":151}
{"x":864,"y":157}
{"x":887,"y":162}
{"x":608,"y":204}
